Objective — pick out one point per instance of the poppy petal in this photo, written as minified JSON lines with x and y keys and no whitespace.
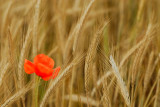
{"x":45,"y":60}
{"x":46,"y":78}
{"x":43,"y":70}
{"x":56,"y":71}
{"x":29,"y":67}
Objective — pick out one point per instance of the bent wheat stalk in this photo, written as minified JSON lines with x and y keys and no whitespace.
{"x":17,"y":95}
{"x":81,"y":22}
{"x":83,"y":99}
{"x":123,"y":88}
{"x":100,"y":82}
{"x":76,"y":31}
{"x":65,"y":73}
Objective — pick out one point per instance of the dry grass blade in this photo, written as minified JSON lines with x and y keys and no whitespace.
{"x":131,"y":51}
{"x":157,"y":90}
{"x":100,"y":82}
{"x":148,"y":73}
{"x":41,"y":41}
{"x":123,"y":88}
{"x":83,"y":99}
{"x":150,"y":92}
{"x":11,"y":46}
{"x":17,"y":95}
{"x":5,"y":17}
{"x":52,"y":51}
{"x":3,"y":72}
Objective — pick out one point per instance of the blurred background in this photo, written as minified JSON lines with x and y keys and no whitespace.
{"x":81,"y":36}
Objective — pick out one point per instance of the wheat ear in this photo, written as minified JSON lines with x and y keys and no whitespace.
{"x":83,"y":99}
{"x":91,"y":55}
{"x":123,"y":88}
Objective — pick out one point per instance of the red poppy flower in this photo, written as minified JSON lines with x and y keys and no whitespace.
{"x":42,"y":66}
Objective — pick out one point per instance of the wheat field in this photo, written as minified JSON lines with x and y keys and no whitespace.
{"x":108,"y":51}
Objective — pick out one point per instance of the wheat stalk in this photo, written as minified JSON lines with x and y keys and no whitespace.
{"x":80,"y":24}
{"x":81,"y":98}
{"x":105,"y":97}
{"x":123,"y":88}
{"x":22,"y":57}
{"x":157,"y":90}
{"x":76,"y":31}
{"x":100,"y":82}
{"x":59,"y":80}
{"x":17,"y":95}
{"x":3,"y":72}
{"x":35,"y":27}
{"x":148,"y":73}
{"x":91,"y":55}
